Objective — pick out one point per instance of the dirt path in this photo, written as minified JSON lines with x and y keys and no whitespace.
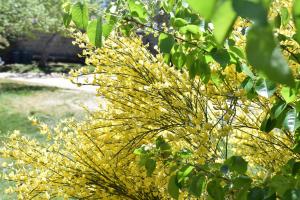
{"x":53,"y":80}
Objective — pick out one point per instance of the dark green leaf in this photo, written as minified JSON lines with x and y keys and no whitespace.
{"x":296,"y":17}
{"x":197,"y":185}
{"x":296,"y":148}
{"x":265,"y":87}
{"x":268,"y":124}
{"x":203,"y":8}
{"x":94,"y":32}
{"x":173,"y":189}
{"x":165,"y":42}
{"x":277,"y":185}
{"x":67,"y":17}
{"x":162,"y":144}
{"x":264,"y":54}
{"x":223,"y":20}
{"x":296,"y":168}
{"x":277,"y":109}
{"x":201,"y":68}
{"x":251,"y":10}
{"x":292,"y":194}
{"x":150,"y":166}
{"x":215,"y":190}
{"x":80,"y":15}
{"x":221,"y":56}
{"x":237,"y":164}
{"x":242,"y":182}
{"x":241,"y":194}
{"x":247,"y":84}
{"x":256,"y":194}
{"x":277,"y":21}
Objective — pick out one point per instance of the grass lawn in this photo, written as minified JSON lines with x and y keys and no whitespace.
{"x":49,"y":104}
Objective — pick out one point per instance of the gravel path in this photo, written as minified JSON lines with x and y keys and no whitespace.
{"x":54,"y":80}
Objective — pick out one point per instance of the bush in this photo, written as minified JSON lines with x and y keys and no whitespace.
{"x":199,"y":120}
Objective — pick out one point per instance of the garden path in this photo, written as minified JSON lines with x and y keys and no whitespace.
{"x":53,"y":80}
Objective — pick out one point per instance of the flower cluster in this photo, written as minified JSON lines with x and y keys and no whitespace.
{"x":144,"y":98}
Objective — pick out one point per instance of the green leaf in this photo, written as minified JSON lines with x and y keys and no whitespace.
{"x":165,"y":42}
{"x":237,"y":164}
{"x":237,"y":51}
{"x":264,"y":54}
{"x":184,"y":172}
{"x":291,"y":122}
{"x":296,"y":168}
{"x":126,"y":29}
{"x":284,"y":15}
{"x":199,"y":67}
{"x":221,"y":56}
{"x":296,"y":17}
{"x":138,"y":10}
{"x":241,"y":194}
{"x":197,"y":184}
{"x":241,"y":182}
{"x":256,"y":194}
{"x":162,"y":144}
{"x":106,"y":29}
{"x":150,"y":166}
{"x":276,"y":184}
{"x":80,"y":15}
{"x":265,"y":87}
{"x":184,"y":153}
{"x":203,"y":8}
{"x":277,"y":21}
{"x":178,"y":59}
{"x":215,"y":190}
{"x":179,"y":22}
{"x":190,"y":29}
{"x":250,"y":10}
{"x":173,"y":189}
{"x":268,"y":124}
{"x":277,"y":109}
{"x":296,"y":148}
{"x":223,"y":25}
{"x":292,"y":194}
{"x":94,"y":32}
{"x":67,"y":17}
{"x":247,"y":84}
{"x":108,"y":26}
{"x":247,"y":71}
{"x":289,"y":94}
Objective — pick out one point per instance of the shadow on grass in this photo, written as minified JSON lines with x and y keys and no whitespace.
{"x":13,"y":87}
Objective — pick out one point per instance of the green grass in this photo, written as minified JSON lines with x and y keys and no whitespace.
{"x":18,"y":101}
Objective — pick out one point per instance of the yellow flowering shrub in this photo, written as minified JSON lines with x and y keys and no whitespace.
{"x":143,"y":98}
